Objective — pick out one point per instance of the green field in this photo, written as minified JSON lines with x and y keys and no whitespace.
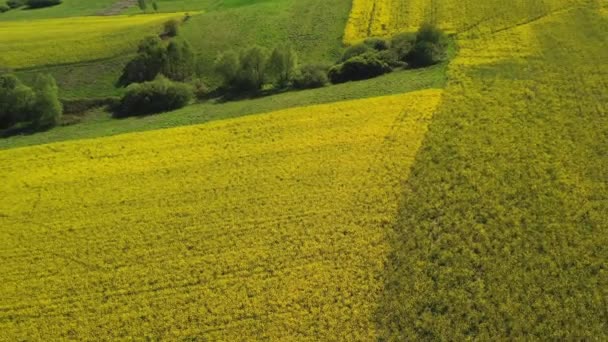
{"x":69,"y":8}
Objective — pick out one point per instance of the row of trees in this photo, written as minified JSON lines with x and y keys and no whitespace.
{"x":12,"y":4}
{"x":38,"y":105}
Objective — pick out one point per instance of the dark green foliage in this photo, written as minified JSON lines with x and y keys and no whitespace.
{"x":47,"y":109}
{"x":377,"y":44}
{"x":150,"y":59}
{"x":171,"y":27}
{"x":143,"y":4}
{"x":15,"y":3}
{"x":179,"y":62}
{"x":160,"y":95}
{"x":282,"y":66}
{"x":391,"y":57}
{"x":79,"y":106}
{"x":42,"y":3}
{"x":355,"y":50}
{"x":311,"y":76}
{"x":252,"y":72}
{"x":246,"y":72}
{"x":155,"y":6}
{"x":16,"y":101}
{"x":227,"y":66}
{"x":402,"y":44}
{"x":430,"y":47}
{"x":4,"y":8}
{"x":200,"y":89}
{"x":361,"y":67}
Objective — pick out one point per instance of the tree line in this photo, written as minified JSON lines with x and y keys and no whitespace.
{"x":14,"y":4}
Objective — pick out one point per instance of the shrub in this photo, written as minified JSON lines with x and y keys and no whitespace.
{"x":252,"y":69}
{"x":157,"y":96}
{"x":200,"y":89}
{"x":227,"y":66}
{"x":150,"y":59}
{"x":282,"y":66}
{"x":4,"y":8}
{"x":179,"y":62}
{"x":355,"y":50}
{"x":15,"y":3}
{"x":377,"y":44}
{"x":361,"y":67}
{"x":391,"y":57}
{"x":16,"y":101}
{"x":402,"y":44}
{"x":47,"y":109}
{"x":311,"y":76}
{"x":42,"y":3}
{"x":171,"y":28}
{"x":430,"y":47}
{"x":143,"y":4}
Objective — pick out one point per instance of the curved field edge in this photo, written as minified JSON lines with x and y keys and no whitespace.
{"x":502,"y":228}
{"x":270,"y":226}
{"x":99,"y":123}
{"x":35,"y":43}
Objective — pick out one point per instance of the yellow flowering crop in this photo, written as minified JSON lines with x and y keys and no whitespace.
{"x":386,"y":17}
{"x":69,"y":40}
{"x":271,"y":226}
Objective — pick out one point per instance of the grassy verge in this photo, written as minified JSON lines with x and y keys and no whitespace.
{"x":101,"y":124}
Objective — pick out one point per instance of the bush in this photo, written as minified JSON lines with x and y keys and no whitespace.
{"x":171,"y":28}
{"x":246,"y":71}
{"x":200,"y":89}
{"x":430,"y":47}
{"x":377,"y":44}
{"x":311,"y":76}
{"x":179,"y":62}
{"x":282,"y":66}
{"x":354,"y":51}
{"x":157,"y":96}
{"x":16,"y":101}
{"x":47,"y":109}
{"x":42,"y":3}
{"x":402,"y":44}
{"x":4,"y":8}
{"x":79,"y":106}
{"x":361,"y":67}
{"x":150,"y":59}
{"x":15,"y":3}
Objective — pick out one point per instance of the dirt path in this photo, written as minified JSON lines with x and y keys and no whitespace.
{"x":118,"y":7}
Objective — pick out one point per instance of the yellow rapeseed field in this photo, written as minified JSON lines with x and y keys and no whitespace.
{"x":271,"y":226}
{"x":387,"y":17}
{"x":69,"y":40}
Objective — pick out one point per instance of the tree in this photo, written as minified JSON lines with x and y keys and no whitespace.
{"x":42,"y":3}
{"x":402,"y":44}
{"x":430,"y":47}
{"x":355,"y":50}
{"x":155,"y":6}
{"x":311,"y":76}
{"x":143,"y":5}
{"x":227,"y":66}
{"x":47,"y":109}
{"x":16,"y":101}
{"x":179,"y":62}
{"x":252,"y":71}
{"x":150,"y":59}
{"x":171,"y":28}
{"x":157,"y":96}
{"x":282,"y":66}
{"x":361,"y":67}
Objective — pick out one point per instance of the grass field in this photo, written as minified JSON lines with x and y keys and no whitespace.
{"x":26,"y":44}
{"x":265,"y":227}
{"x":99,"y":123}
{"x":502,"y":230}
{"x":68,"y":8}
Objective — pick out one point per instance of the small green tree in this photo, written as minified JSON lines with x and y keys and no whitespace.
{"x":171,"y":28}
{"x":150,"y":60}
{"x":47,"y":109}
{"x":227,"y":66}
{"x":143,"y":5}
{"x":251,"y":75}
{"x":282,"y":66}
{"x":155,"y":6}
{"x":16,"y":101}
{"x":180,"y":61}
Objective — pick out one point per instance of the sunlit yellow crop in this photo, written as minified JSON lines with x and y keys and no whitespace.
{"x":387,"y":17}
{"x":270,"y":226}
{"x":69,"y":40}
